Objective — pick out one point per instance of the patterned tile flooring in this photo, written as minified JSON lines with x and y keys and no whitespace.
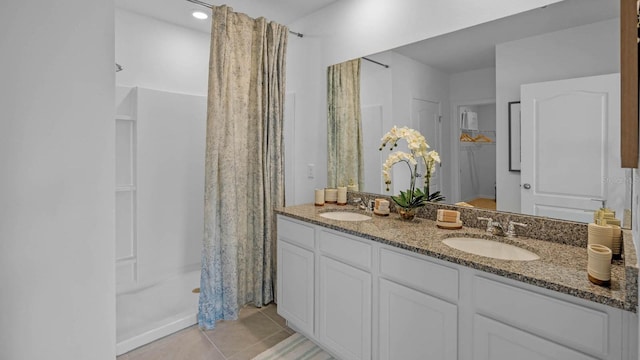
{"x":255,"y":331}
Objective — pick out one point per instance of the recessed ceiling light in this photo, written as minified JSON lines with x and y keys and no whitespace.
{"x":199,"y":15}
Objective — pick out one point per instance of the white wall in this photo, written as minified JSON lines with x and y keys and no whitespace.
{"x":468,"y":88}
{"x":376,"y":101}
{"x":394,"y":88}
{"x":487,"y":160}
{"x":473,"y":85}
{"x":352,"y":28}
{"x":587,"y":50}
{"x":414,"y":80}
{"x":57,"y":160}
{"x":161,"y":56}
{"x":306,"y":82}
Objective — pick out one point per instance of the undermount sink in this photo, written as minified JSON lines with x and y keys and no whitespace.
{"x":490,"y":248}
{"x":345,"y":216}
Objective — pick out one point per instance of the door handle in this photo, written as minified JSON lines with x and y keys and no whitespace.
{"x":526,"y":186}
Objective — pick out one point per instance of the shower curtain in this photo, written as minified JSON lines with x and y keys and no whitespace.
{"x":244,"y":176}
{"x":345,"y":162}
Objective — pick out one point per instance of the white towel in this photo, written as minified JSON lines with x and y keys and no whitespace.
{"x":470,"y":120}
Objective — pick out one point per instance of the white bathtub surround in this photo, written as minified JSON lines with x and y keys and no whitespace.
{"x":159,"y":224}
{"x":244,"y":168}
{"x":155,"y":311}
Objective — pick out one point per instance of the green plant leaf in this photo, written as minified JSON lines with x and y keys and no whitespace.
{"x":436,"y":197}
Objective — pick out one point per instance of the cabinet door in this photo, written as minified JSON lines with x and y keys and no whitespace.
{"x":493,"y":340}
{"x":578,"y":327}
{"x":414,"y":325}
{"x":295,"y":286}
{"x":345,"y":309}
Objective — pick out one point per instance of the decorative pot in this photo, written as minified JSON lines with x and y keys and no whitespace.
{"x":407,"y":214}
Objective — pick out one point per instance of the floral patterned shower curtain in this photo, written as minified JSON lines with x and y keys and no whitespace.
{"x":244,"y":176}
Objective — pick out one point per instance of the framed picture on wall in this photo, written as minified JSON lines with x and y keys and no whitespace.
{"x":514,"y":136}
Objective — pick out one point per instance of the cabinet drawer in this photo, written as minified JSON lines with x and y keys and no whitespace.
{"x":345,"y":248}
{"x":423,"y":275}
{"x":566,"y":323}
{"x":296,"y":233}
{"x":493,"y":340}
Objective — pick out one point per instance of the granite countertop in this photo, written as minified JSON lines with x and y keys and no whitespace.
{"x":561,"y":267}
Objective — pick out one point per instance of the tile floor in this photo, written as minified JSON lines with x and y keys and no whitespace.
{"x":255,"y":331}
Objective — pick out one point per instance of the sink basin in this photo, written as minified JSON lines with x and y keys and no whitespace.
{"x":345,"y":216}
{"x":490,"y":248}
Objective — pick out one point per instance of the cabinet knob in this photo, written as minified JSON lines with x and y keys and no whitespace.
{"x":527,"y":186}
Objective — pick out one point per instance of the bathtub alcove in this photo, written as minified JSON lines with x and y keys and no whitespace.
{"x":160,"y":145}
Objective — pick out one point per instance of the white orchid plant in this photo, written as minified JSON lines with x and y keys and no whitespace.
{"x":418,"y":151}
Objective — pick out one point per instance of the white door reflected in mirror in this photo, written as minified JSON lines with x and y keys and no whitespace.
{"x":579,"y":119}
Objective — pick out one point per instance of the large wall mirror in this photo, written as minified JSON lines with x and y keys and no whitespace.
{"x":562,"y":64}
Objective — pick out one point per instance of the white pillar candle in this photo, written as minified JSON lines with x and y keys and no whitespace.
{"x":331,"y":196}
{"x":342,"y":195}
{"x":319,"y":195}
{"x":600,"y":234}
{"x":599,"y":264}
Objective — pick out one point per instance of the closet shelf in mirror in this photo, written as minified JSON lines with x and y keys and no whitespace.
{"x":480,"y":138}
{"x":476,"y":144}
{"x":478,"y":131}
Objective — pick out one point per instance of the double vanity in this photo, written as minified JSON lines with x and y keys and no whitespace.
{"x":370,"y":287}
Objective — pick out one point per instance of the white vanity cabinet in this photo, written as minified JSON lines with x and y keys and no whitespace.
{"x":494,"y":340}
{"x":513,"y":321}
{"x":296,"y":272}
{"x":344,"y":306}
{"x":361,"y":299}
{"x":418,"y":318}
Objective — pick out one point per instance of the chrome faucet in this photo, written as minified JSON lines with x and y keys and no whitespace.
{"x":494,"y":227}
{"x":511,"y":229}
{"x":362,"y":205}
{"x":491,"y":224}
{"x":497,"y":229}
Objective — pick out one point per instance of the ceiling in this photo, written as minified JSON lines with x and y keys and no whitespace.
{"x":467,"y":49}
{"x":179,"y":11}
{"x":474,"y":47}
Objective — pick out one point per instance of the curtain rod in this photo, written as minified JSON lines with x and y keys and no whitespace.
{"x":201,"y":3}
{"x":373,"y":61}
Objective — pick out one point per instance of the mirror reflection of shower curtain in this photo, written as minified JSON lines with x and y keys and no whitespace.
{"x":344,"y":125}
